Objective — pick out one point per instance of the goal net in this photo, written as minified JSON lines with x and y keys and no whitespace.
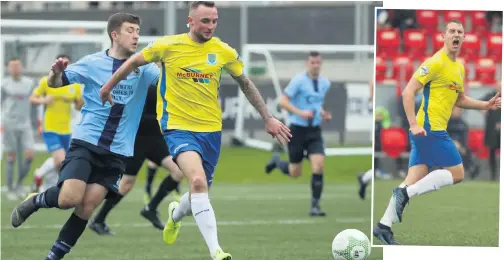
{"x":348,"y":67}
{"x":38,"y":42}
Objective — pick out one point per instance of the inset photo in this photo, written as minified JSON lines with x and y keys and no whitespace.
{"x":437,"y":134}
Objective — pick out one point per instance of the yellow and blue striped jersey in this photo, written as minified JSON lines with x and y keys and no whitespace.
{"x":190,"y":79}
{"x":443,"y":80}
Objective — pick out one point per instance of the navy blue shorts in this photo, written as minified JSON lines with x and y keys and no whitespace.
{"x":93,"y":164}
{"x":207,"y":144}
{"x":435,"y":150}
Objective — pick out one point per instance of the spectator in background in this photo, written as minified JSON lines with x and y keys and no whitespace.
{"x":383,"y":19}
{"x":382,"y":121}
{"x":494,"y":19}
{"x":458,"y":130}
{"x":404,"y":19}
{"x":492,"y":131}
{"x":16,"y":120}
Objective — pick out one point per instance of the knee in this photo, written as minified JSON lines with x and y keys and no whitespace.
{"x":126,"y":185}
{"x":318,"y":167}
{"x":199,"y":184}
{"x":177,"y":175}
{"x":295,"y":171}
{"x":68,"y":200}
{"x":458,"y":176}
{"x":85,"y":209}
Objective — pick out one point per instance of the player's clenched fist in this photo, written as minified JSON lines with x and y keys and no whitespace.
{"x":59,"y":65}
{"x":278,"y":130}
{"x":418,"y":131}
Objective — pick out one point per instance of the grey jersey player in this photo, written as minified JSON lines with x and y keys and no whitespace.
{"x":16,"y":122}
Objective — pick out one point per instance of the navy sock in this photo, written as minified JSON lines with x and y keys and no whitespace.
{"x":48,"y":198}
{"x":68,"y":236}
{"x":317,"y":183}
{"x":283,"y":166}
{"x":167,"y":186}
{"x":106,"y":208}
{"x":151,"y":173}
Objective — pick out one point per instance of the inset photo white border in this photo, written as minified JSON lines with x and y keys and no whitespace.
{"x":444,"y":252}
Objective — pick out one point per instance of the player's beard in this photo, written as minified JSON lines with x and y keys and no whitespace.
{"x":202,"y":38}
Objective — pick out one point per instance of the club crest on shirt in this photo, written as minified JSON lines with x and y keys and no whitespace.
{"x":424,"y":70}
{"x":212,"y":59}
{"x":137,"y":71}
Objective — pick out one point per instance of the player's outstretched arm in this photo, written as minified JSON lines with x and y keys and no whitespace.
{"x":126,"y":68}
{"x":274,"y":127}
{"x":253,"y":95}
{"x":466,"y":102}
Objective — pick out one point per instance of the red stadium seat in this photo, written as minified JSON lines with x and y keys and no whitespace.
{"x":415,"y":42}
{"x":388,"y":42}
{"x":402,"y":68}
{"x":428,"y":19}
{"x":394,"y":141}
{"x":485,"y":71}
{"x":494,"y":46}
{"x":437,"y":41}
{"x":476,"y":143}
{"x":471,"y":48}
{"x":479,"y":24}
{"x":454,"y":15}
{"x":381,"y":69}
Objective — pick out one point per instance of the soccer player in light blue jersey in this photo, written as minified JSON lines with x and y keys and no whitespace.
{"x":103,"y":140}
{"x":304,"y":99}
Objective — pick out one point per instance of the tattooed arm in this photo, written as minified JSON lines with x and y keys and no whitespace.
{"x":253,"y":95}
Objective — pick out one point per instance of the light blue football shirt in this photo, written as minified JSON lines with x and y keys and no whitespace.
{"x":114,"y":127}
{"x":306,"y":93}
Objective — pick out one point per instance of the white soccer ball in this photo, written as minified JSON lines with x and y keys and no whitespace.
{"x":351,"y":244}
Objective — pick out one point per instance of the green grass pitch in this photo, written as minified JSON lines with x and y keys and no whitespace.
{"x":259,"y":216}
{"x":466,"y":214}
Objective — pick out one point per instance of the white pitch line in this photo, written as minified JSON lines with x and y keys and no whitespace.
{"x":219,"y":223}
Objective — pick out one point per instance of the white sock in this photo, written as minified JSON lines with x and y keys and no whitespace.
{"x":433,"y":181}
{"x":205,"y":219}
{"x":388,"y":216}
{"x":183,"y":209}
{"x":47,"y":167}
{"x":367,"y":177}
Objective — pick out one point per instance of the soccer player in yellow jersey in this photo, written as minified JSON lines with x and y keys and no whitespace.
{"x":56,"y":126}
{"x":442,"y":79}
{"x":189,"y":113}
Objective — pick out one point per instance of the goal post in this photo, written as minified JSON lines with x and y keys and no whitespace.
{"x":242,"y":133}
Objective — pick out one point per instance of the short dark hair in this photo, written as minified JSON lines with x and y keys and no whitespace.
{"x":452,"y":21}
{"x":196,"y":4}
{"x":314,"y":54}
{"x":116,"y":20}
{"x":63,"y":56}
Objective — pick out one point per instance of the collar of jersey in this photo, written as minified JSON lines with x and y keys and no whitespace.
{"x":106,"y":54}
